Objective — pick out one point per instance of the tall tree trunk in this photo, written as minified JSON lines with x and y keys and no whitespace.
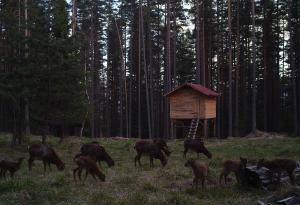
{"x":237,"y":73}
{"x":139,"y":71}
{"x":146,"y":76}
{"x":26,"y":100}
{"x":200,"y":43}
{"x":74,"y":17}
{"x":293,"y":74}
{"x":229,"y":71}
{"x":253,"y":115}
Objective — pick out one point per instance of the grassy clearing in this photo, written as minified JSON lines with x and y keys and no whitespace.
{"x":126,"y":184}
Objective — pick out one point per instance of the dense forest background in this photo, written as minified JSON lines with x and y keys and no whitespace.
{"x":101,"y":68}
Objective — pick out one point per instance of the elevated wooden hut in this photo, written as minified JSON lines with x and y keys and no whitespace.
{"x":192,"y":103}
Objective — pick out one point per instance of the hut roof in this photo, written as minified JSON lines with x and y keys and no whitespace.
{"x":196,"y":87}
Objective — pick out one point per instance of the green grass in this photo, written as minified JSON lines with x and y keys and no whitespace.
{"x":126,"y":184}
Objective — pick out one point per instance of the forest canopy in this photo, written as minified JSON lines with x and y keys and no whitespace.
{"x":101,"y":68}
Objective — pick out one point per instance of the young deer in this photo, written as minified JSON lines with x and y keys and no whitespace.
{"x":278,"y":166}
{"x":10,"y":166}
{"x":200,"y":171}
{"x":232,"y":166}
{"x":90,"y":166}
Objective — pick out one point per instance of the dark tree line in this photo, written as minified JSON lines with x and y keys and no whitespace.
{"x":101,"y":68}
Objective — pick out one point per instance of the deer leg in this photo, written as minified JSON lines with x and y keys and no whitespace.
{"x":292,"y":177}
{"x":49,"y":165}
{"x":151,"y":161}
{"x":138,"y":158}
{"x":74,"y":173}
{"x":184,"y":152}
{"x":79,"y":174}
{"x":86,"y":174}
{"x":221,"y":177}
{"x":203,"y":182}
{"x":279,"y":177}
{"x":225,"y":177}
{"x":135,"y":159}
{"x":12,"y":174}
{"x":195,"y":183}
{"x":93,"y":175}
{"x":45,"y":166}
{"x":237,"y":177}
{"x":30,"y":161}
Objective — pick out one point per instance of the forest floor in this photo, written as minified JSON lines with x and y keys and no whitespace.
{"x":126,"y":184}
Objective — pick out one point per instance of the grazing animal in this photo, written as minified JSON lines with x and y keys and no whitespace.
{"x":153,"y":150}
{"x":200,"y":171}
{"x":10,"y":166}
{"x":234,"y":166}
{"x":196,"y":145}
{"x":278,"y":166}
{"x":163,"y":146}
{"x":46,"y":154}
{"x":97,"y":152}
{"x":90,"y":166}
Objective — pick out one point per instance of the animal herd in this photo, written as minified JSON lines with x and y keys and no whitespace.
{"x":92,"y":153}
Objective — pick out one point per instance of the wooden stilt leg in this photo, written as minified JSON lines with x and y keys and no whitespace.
{"x":175,"y":130}
{"x":172,"y":129}
{"x":215,"y":127}
{"x":205,"y":128}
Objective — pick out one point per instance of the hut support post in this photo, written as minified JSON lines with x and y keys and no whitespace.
{"x":205,"y":128}
{"x":215,"y":127}
{"x":173,"y":129}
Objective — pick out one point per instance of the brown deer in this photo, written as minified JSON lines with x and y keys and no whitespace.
{"x":90,"y":166}
{"x":10,"y":166}
{"x":46,"y":154}
{"x":153,"y":150}
{"x":278,"y":166}
{"x":98,"y":152}
{"x":200,"y":171}
{"x":234,"y":166}
{"x":196,"y":145}
{"x":162,"y":144}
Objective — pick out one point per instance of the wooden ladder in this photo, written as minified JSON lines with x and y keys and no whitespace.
{"x":193,"y":128}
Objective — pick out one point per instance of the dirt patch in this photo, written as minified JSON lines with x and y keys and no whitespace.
{"x":268,"y":135}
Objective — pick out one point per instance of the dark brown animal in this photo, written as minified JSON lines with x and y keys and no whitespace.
{"x":197,"y":146}
{"x":46,"y":154}
{"x":200,"y":171}
{"x":90,"y":166}
{"x":234,"y":166}
{"x":10,"y":166}
{"x":98,"y":152}
{"x":278,"y":166}
{"x":162,"y":144}
{"x":153,"y":150}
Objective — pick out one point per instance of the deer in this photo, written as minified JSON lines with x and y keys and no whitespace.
{"x":90,"y":166}
{"x":278,"y":166}
{"x":10,"y":166}
{"x":152,"y":149}
{"x":234,"y":166}
{"x":46,"y":154}
{"x":98,"y":152}
{"x":200,"y":171}
{"x":196,"y":145}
